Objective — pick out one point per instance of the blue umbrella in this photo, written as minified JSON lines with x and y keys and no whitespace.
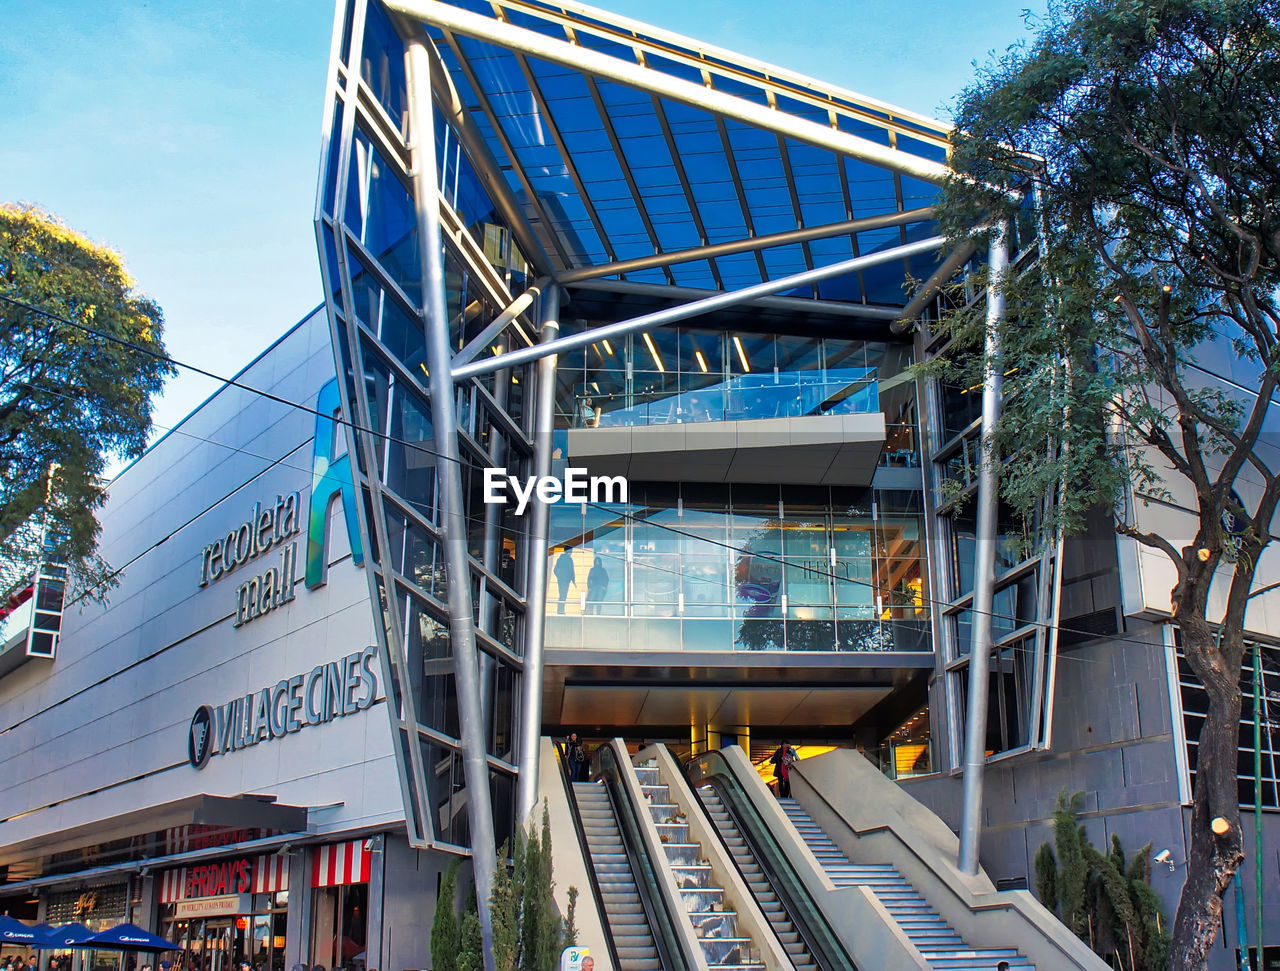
{"x":68,"y":935}
{"x":130,"y":937}
{"x":15,"y":932}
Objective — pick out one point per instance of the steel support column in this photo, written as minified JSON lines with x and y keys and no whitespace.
{"x":453,"y":520}
{"x":536,"y":583}
{"x":984,"y":563}
{"x":696,"y":308}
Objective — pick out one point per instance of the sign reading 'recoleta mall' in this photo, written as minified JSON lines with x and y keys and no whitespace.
{"x":261,"y":533}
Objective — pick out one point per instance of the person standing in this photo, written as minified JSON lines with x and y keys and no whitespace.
{"x":566,"y":577}
{"x":597,"y":585}
{"x":575,"y":753}
{"x":783,"y":760}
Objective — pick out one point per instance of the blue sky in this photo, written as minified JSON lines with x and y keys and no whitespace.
{"x":186,"y":135}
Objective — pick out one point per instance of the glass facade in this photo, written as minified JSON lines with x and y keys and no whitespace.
{"x":545,"y":171}
{"x":371,"y":247}
{"x":749,"y":568}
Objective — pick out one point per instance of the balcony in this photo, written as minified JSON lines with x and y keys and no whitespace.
{"x":821,"y":428}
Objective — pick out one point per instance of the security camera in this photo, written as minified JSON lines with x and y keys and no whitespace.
{"x":1164,"y":856}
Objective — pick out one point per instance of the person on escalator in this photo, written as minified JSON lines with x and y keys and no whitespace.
{"x":575,"y":753}
{"x":783,"y":760}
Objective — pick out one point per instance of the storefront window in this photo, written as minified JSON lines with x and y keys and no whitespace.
{"x":224,"y":942}
{"x":339,"y":927}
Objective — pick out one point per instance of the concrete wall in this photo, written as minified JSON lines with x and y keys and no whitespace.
{"x":103,"y":729}
{"x":1113,"y":740}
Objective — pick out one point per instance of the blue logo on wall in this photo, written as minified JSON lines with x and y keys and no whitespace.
{"x":330,"y":480}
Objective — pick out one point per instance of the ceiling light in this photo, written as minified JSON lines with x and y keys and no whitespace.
{"x":702,"y":361}
{"x":608,"y":347}
{"x":742,"y":354}
{"x":654,"y":351}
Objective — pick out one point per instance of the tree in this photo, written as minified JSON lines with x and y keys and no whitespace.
{"x":69,"y":398}
{"x":1139,"y":137}
{"x":445,"y":933}
{"x":528,"y":932}
{"x":1112,"y":906}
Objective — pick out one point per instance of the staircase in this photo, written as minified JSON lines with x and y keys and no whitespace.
{"x":754,"y":876}
{"x":715,"y":927}
{"x":624,"y":913}
{"x":941,"y":946}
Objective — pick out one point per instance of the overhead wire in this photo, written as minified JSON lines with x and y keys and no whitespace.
{"x":944,"y":605}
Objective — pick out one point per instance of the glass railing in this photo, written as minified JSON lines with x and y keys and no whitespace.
{"x":796,"y":394}
{"x":644,"y":868}
{"x":711,"y":768}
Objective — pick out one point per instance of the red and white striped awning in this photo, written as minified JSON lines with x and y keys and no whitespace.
{"x":337,"y":863}
{"x":270,"y":874}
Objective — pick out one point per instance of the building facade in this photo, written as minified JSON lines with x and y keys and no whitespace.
{"x":553,"y":239}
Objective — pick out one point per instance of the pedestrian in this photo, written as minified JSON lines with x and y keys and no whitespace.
{"x":783,"y":760}
{"x":575,"y":753}
{"x":597,"y":585}
{"x":566,"y":577}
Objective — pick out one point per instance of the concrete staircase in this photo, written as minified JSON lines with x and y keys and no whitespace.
{"x":716,"y":928}
{"x":624,"y":912}
{"x":941,"y":946}
{"x":755,"y":878}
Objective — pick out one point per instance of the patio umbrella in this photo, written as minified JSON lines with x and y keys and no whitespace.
{"x":14,"y":931}
{"x":130,"y":937}
{"x":68,"y":935}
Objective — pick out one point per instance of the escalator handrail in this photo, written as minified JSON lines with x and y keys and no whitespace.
{"x":666,"y":936}
{"x":820,"y":937}
{"x":580,"y":831}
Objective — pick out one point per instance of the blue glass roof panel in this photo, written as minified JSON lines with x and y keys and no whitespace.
{"x":539,"y":24}
{"x":803,"y":109}
{"x":631,"y":189}
{"x":929,"y":150}
{"x":815,"y":173}
{"x":748,"y":92}
{"x":871,"y":189}
{"x":697,"y":274}
{"x":677,"y":69}
{"x":916,"y":193}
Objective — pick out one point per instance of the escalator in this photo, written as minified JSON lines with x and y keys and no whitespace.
{"x":668,"y":895}
{"x":626,"y":870}
{"x":853,"y":872}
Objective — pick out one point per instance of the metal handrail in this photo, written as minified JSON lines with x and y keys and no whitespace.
{"x":580,"y":832}
{"x":661,"y":925}
{"x":711,"y":768}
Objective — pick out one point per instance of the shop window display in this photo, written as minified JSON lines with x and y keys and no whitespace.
{"x":339,"y":927}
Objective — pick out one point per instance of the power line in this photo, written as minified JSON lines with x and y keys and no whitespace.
{"x":933,"y":602}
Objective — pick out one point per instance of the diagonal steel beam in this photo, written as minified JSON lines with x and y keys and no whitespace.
{"x":504,"y":143}
{"x":518,"y":306}
{"x":747,"y":245}
{"x":602,"y":65}
{"x":948,"y":268}
{"x":796,"y":305}
{"x":698,"y":307}
{"x":449,"y":103}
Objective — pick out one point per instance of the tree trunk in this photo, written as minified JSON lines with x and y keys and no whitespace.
{"x":1213,"y":859}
